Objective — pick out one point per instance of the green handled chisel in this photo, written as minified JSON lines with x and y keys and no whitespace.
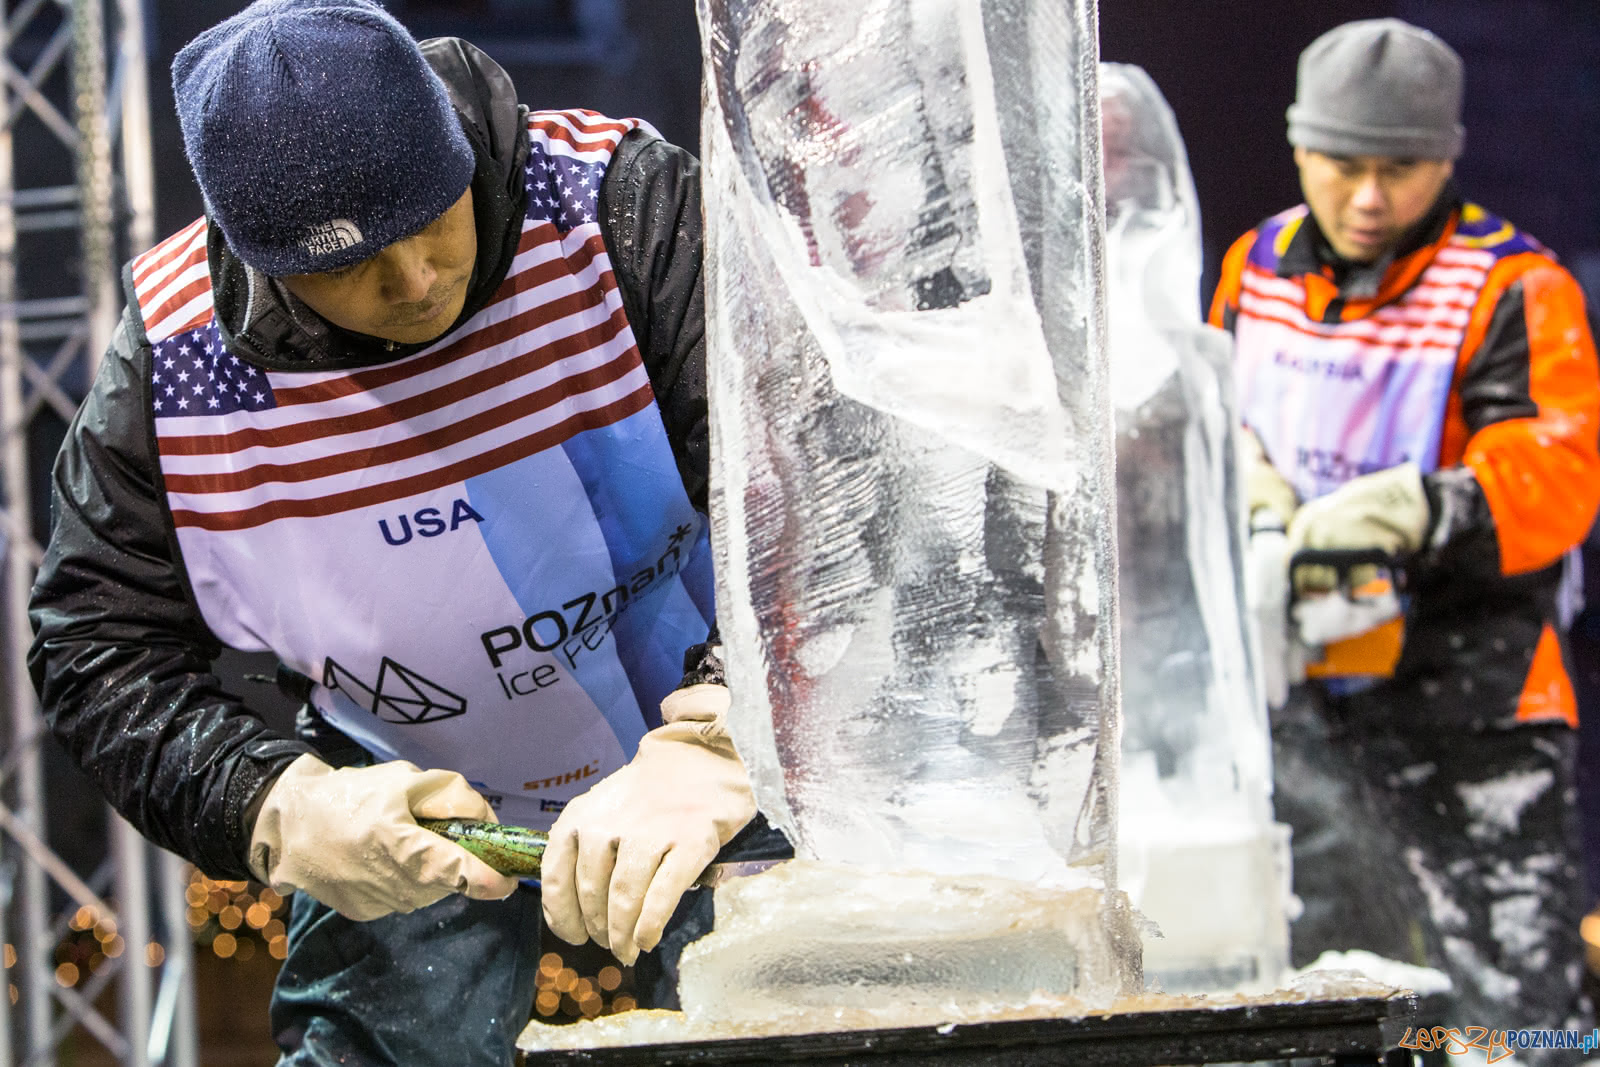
{"x":519,"y":852}
{"x":513,"y":850}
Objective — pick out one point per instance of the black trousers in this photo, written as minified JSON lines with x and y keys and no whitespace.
{"x":1451,"y":849}
{"x":450,"y":985}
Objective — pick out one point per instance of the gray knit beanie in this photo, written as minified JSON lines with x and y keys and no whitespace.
{"x":1379,"y":87}
{"x":318,"y":133}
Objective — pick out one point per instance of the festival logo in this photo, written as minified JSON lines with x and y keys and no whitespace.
{"x":400,"y":695}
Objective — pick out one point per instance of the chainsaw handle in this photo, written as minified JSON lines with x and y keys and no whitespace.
{"x":1343,"y":559}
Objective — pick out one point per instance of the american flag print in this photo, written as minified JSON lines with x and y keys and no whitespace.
{"x":552,"y":355}
{"x":192,"y":374}
{"x":562,"y":191}
{"x":512,"y":480}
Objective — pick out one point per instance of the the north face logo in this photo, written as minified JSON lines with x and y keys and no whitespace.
{"x":329,"y":237}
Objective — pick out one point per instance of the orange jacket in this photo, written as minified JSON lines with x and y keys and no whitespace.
{"x":1518,"y":483}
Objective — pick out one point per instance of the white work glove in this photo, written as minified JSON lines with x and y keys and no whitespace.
{"x":1386,"y":510}
{"x":1283,"y":660}
{"x":349,"y":837}
{"x":1270,"y":504}
{"x":1270,"y":501}
{"x":622,"y":854}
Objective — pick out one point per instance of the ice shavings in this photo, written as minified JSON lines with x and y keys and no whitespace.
{"x":645,"y":1028}
{"x":1332,"y":970}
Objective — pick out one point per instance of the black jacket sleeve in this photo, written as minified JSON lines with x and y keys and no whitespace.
{"x":1500,"y":384}
{"x":1494,"y":387}
{"x":650,"y":216}
{"x":121,"y":658}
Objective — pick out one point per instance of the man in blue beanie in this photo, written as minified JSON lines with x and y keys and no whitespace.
{"x":419,"y":407}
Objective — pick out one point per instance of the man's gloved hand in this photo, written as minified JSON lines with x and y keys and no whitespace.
{"x":349,"y":837}
{"x":1270,"y":501}
{"x":1386,"y":510}
{"x":622,"y":854}
{"x":1270,"y":504}
{"x":1267,"y":589}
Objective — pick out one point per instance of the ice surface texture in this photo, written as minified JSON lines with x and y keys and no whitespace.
{"x":807,"y":938}
{"x":911,"y":429}
{"x":1201,"y":854}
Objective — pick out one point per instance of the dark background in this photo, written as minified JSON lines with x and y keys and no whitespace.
{"x":1226,"y":66}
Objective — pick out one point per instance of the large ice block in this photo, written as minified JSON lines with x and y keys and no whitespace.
{"x":911,"y":429}
{"x":1201,"y":854}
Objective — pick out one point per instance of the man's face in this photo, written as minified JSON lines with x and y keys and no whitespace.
{"x":411,"y":292}
{"x":1365,"y":203}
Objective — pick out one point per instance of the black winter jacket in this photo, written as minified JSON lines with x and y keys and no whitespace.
{"x":121,"y":656}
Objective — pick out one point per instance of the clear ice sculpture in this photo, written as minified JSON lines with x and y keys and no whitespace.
{"x":912,"y":496}
{"x":1200,"y":853}
{"x":911,"y":431}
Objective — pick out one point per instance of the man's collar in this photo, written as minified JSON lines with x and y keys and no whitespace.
{"x":1309,"y":251}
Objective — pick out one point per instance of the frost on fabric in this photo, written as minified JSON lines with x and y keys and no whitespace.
{"x":1491,"y":982}
{"x":1442,"y":907}
{"x":1414,"y":775}
{"x":1514,"y":923}
{"x":1496,"y":806}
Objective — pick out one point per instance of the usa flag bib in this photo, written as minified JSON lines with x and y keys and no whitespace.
{"x":482,"y":554}
{"x":1333,"y":401}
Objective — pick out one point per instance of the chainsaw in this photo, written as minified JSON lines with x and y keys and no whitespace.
{"x":1349,"y":621}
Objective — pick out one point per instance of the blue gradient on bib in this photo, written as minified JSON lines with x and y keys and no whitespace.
{"x":631,"y":480}
{"x":601,"y":531}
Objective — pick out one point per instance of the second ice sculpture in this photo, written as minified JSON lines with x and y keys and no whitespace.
{"x":910,"y":429}
{"x":1202,"y":856}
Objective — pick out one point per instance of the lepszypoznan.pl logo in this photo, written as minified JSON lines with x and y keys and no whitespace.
{"x":1496,"y":1045}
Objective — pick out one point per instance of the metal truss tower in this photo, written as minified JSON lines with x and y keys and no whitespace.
{"x":73,"y":108}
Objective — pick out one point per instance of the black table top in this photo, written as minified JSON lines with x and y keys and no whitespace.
{"x":1356,"y":1027}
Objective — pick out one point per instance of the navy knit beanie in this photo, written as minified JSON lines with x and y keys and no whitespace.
{"x":318,"y":133}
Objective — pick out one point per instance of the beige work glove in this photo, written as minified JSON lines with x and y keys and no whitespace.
{"x":349,"y":837}
{"x":622,"y":854}
{"x":1270,"y":501}
{"x":1387,"y":510}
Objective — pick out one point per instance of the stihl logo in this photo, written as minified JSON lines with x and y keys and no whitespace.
{"x":555,"y":781}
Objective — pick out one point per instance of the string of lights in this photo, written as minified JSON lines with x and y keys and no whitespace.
{"x":238,"y":921}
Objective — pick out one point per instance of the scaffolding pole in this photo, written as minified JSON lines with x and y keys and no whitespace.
{"x":50,"y":344}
